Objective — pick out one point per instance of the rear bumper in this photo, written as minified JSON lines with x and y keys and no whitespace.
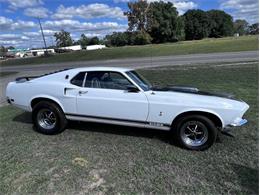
{"x":13,"y":103}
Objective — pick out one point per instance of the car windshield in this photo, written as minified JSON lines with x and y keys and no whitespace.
{"x":139,"y":80}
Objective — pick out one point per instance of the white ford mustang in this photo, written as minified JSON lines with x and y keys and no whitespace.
{"x":121,"y":96}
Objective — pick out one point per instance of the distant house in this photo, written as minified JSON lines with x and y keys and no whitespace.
{"x":40,"y":52}
{"x":72,"y":48}
{"x":236,"y":35}
{"x":94,"y":47}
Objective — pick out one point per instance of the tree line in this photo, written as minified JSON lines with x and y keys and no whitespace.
{"x":160,"y":22}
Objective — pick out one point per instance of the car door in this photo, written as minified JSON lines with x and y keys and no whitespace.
{"x":105,"y":95}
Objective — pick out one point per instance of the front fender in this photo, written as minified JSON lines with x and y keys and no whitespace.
{"x":201,"y":110}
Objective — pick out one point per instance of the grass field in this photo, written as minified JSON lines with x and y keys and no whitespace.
{"x":230,"y":44}
{"x":103,"y":159}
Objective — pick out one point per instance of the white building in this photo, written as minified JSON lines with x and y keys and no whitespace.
{"x":94,"y":47}
{"x":73,"y":48}
{"x":40,"y":52}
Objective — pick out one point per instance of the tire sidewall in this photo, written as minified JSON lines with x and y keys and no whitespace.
{"x":57,"y":112}
{"x":212,"y":131}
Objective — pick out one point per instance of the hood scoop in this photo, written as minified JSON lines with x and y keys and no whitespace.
{"x":178,"y":89}
{"x":184,"y":89}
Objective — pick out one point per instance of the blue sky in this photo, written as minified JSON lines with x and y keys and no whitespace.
{"x":19,"y":27}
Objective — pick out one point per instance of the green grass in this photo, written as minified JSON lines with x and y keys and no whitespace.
{"x":230,"y":44}
{"x":93,"y":158}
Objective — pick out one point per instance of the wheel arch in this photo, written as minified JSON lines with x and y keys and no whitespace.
{"x":38,"y":99}
{"x":215,"y":118}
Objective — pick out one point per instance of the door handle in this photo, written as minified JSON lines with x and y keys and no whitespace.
{"x":82,"y":92}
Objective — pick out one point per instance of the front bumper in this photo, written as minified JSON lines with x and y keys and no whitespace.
{"x":238,"y":122}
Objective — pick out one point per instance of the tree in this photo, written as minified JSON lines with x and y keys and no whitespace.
{"x":221,"y":23}
{"x":94,"y":41}
{"x":84,"y":40}
{"x":197,"y":24}
{"x":128,"y":38}
{"x":254,"y":29}
{"x":10,"y":47}
{"x":137,"y":15}
{"x":63,"y":39}
{"x":117,"y":39}
{"x":241,"y":27}
{"x":163,"y":22}
{"x":141,"y":38}
{"x":159,"y":19}
{"x":3,"y":49}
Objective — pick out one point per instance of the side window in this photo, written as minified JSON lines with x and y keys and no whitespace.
{"x":116,"y":80}
{"x":107,"y":80}
{"x":78,"y":79}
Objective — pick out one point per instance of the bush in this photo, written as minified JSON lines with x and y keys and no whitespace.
{"x":128,"y":38}
{"x":142,"y":38}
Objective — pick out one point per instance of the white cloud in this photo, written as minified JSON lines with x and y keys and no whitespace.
{"x":96,"y":10}
{"x":121,"y":1}
{"x":25,"y":40}
{"x":13,"y":39}
{"x":242,"y":9}
{"x":34,"y":39}
{"x":15,"y":4}
{"x":7,"y":24}
{"x":76,"y":26}
{"x":38,"y":12}
{"x":181,"y":5}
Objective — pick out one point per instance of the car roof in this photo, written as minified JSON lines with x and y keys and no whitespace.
{"x":97,"y":68}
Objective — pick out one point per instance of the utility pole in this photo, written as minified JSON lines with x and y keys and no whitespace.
{"x":46,"y":52}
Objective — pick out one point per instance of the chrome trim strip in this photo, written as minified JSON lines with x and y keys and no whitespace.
{"x":116,"y":122}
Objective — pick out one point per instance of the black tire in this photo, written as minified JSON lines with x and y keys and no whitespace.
{"x":60,"y":120}
{"x":208,"y":132}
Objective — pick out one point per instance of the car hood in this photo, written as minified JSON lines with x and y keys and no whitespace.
{"x":193,"y":97}
{"x":192,"y":90}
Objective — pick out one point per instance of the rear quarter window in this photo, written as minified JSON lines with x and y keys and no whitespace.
{"x":78,"y":79}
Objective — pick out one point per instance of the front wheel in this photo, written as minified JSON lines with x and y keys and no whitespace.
{"x":195,"y":132}
{"x":48,"y":118}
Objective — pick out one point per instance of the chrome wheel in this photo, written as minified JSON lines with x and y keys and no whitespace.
{"x":46,"y":119}
{"x":194,"y":133}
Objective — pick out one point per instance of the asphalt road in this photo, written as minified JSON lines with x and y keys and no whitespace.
{"x":145,"y":62}
{"x":197,"y":59}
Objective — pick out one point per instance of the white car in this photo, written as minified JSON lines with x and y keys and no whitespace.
{"x":121,"y":96}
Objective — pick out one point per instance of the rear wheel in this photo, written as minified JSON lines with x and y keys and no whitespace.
{"x":195,"y":132}
{"x":48,"y":118}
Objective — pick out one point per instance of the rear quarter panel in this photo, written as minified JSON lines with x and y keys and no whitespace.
{"x":24,"y":93}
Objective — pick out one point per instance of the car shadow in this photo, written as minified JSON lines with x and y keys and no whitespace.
{"x":25,"y":117}
{"x":248,"y":177}
{"x":164,"y":136}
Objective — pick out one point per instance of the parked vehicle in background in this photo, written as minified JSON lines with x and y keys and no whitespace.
{"x":121,"y":96}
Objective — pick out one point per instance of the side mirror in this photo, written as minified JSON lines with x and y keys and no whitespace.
{"x":132,"y":89}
